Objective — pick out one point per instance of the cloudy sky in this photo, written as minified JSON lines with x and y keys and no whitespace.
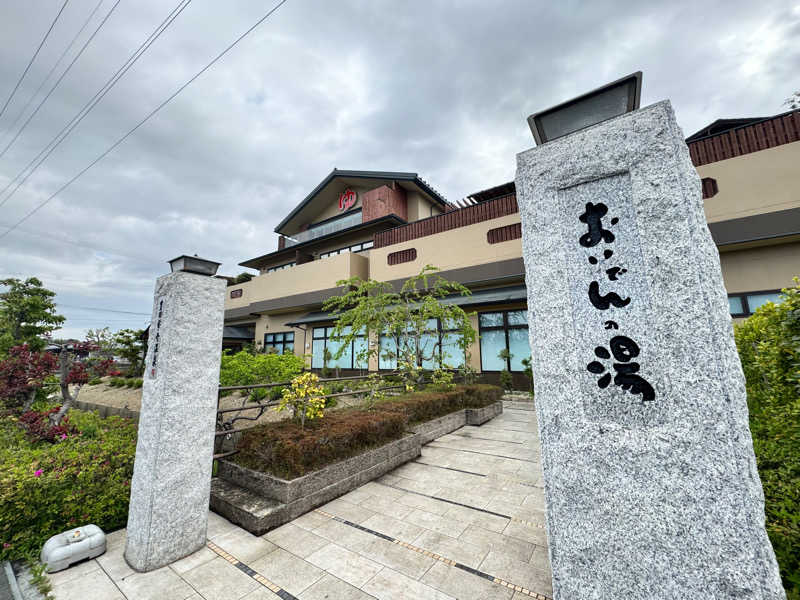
{"x":438,"y":87}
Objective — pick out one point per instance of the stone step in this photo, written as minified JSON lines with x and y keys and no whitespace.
{"x":246,"y":509}
{"x":515,"y":405}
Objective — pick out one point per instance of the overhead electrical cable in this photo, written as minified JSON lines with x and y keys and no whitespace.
{"x":33,"y":58}
{"x":140,"y":123}
{"x":50,"y":147}
{"x":58,"y":81}
{"x":126,"y":312}
{"x":54,"y":67}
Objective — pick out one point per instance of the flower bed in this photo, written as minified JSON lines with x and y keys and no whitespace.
{"x":285,"y":450}
{"x":82,"y":476}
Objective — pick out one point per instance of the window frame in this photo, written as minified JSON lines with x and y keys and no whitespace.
{"x":439,"y":331}
{"x":281,"y":267}
{"x":359,"y":247}
{"x":504,"y":327}
{"x":743,"y":297}
{"x":325,"y":338}
{"x":282,"y":343}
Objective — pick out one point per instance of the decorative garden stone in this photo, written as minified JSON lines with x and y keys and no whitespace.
{"x":171,"y":482}
{"x":651,"y":482}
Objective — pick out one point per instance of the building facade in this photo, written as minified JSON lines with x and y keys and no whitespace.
{"x":387,"y":226}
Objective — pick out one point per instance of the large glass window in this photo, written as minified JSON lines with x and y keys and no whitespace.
{"x":503,"y":330}
{"x":354,"y":248}
{"x":744,"y":305}
{"x":323,"y":338}
{"x":438,"y":346}
{"x":280,"y":343}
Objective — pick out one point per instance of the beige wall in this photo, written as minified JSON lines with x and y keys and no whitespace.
{"x":419,"y":207}
{"x":755,"y":183}
{"x":332,"y":207}
{"x":308,"y":277}
{"x":462,"y":247}
{"x":764,"y":268}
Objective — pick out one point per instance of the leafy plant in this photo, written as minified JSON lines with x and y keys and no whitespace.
{"x":27,"y":314}
{"x":769,"y":348}
{"x":244,"y":368}
{"x":506,"y":379}
{"x":528,"y":370}
{"x":46,"y":487}
{"x":304,"y":397}
{"x":442,"y":380}
{"x":129,"y":344}
{"x":22,"y":374}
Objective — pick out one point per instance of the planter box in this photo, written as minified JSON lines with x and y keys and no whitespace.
{"x":374,"y":463}
{"x":479,"y":416}
{"x":259,"y":502}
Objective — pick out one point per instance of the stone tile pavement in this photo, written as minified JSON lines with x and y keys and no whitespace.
{"x":464,"y":521}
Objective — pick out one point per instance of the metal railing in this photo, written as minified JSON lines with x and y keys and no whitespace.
{"x":226,"y":427}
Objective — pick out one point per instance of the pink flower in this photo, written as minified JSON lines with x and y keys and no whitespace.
{"x":6,"y":545}
{"x":63,"y":436}
{"x":37,"y":473}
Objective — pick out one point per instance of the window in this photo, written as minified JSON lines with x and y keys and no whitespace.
{"x":503,"y":330}
{"x":441,"y":341}
{"x":744,"y":305}
{"x":283,"y":343}
{"x":280,"y":267}
{"x":353,"y":248}
{"x":323,"y":338}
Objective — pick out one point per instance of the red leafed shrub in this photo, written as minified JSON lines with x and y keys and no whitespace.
{"x":38,"y":427}
{"x":22,"y":372}
{"x":114,"y":373}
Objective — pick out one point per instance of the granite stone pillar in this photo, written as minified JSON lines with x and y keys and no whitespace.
{"x":171,"y":482}
{"x":650,"y":478}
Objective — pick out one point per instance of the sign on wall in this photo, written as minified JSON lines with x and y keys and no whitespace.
{"x":347,"y":199}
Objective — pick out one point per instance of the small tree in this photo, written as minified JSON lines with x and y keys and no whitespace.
{"x":27,"y":314}
{"x":528,"y":370}
{"x":506,"y":379}
{"x":304,"y":397}
{"x":374,"y":309}
{"x":793,"y":101}
{"x":76,"y":368}
{"x":129,"y":344}
{"x":22,"y":374}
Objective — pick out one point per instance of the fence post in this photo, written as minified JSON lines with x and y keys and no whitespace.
{"x":171,"y":483}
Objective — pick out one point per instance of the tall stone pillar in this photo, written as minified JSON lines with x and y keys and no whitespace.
{"x":171,"y":482}
{"x":650,"y":478}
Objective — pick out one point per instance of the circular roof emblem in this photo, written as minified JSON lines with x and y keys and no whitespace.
{"x":347,"y":199}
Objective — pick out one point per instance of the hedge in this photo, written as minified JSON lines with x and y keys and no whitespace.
{"x":286,"y":450}
{"x":769,"y":347}
{"x":46,"y":488}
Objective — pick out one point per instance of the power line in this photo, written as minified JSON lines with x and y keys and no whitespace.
{"x":58,"y":81}
{"x":126,"y":312}
{"x":54,"y":67}
{"x":143,"y":121}
{"x":50,"y":147}
{"x":30,"y":62}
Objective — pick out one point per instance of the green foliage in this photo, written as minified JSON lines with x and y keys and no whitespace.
{"x":424,"y":406}
{"x":375,"y":308}
{"x":27,"y":314}
{"x":528,"y":370}
{"x":129,"y":344}
{"x":506,"y":379}
{"x":46,"y":488}
{"x":442,"y":380}
{"x":39,"y":577}
{"x":769,"y":347}
{"x":95,"y":381}
{"x":304,"y":398}
{"x":244,"y":368}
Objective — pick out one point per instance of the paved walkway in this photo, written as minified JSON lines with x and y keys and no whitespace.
{"x":464,"y":521}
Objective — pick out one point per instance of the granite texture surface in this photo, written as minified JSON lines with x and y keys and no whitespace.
{"x":650,"y":478}
{"x":172,"y":473}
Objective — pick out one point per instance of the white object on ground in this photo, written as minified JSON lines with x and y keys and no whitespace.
{"x":64,"y":549}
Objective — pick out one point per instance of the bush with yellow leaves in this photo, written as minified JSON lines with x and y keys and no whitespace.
{"x":304,"y":397}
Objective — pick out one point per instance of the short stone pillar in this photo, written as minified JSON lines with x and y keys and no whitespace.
{"x":168,"y":512}
{"x":651,"y":484}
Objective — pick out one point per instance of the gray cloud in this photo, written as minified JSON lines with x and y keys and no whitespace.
{"x":441,"y":88}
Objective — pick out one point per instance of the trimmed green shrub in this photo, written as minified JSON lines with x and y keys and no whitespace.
{"x":47,"y":487}
{"x":138,"y":382}
{"x":424,"y":406}
{"x":131,"y":383}
{"x":244,"y":368}
{"x":769,"y":347}
{"x":95,"y":381}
